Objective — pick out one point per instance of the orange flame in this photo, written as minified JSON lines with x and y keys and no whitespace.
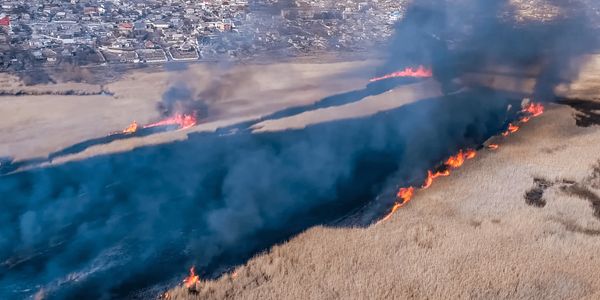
{"x":470,"y":154}
{"x":132,"y":128}
{"x":192,"y":279}
{"x":182,"y":120}
{"x":452,"y":162}
{"x":396,"y":207}
{"x":530,"y":111}
{"x":511,"y":129}
{"x":458,"y":160}
{"x":534,"y":109}
{"x":406,"y":194}
{"x":431,"y":176}
{"x":420,"y":72}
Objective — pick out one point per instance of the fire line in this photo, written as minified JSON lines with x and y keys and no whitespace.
{"x":183,"y":121}
{"x":405,"y":194}
{"x":420,"y":72}
{"x":190,"y":281}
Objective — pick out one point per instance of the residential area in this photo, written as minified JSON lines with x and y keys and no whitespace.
{"x":45,"y":33}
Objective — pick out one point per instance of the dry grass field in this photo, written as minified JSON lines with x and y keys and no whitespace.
{"x":476,"y":234}
{"x":519,"y":222}
{"x":35,"y":125}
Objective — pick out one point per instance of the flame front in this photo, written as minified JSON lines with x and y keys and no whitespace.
{"x":405,"y":194}
{"x":132,"y":128}
{"x":534,"y":109}
{"x":190,"y":281}
{"x":420,"y":72}
{"x":512,"y":128}
{"x":456,"y":161}
{"x":182,"y":120}
{"x":431,"y":176}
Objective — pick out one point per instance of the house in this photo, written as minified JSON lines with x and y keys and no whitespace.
{"x":5,"y":21}
{"x":125,"y":27}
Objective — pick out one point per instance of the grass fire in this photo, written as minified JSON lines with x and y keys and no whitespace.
{"x":180,"y":120}
{"x":419,"y":72}
{"x":251,"y":179}
{"x":405,"y":194}
{"x":192,"y":280}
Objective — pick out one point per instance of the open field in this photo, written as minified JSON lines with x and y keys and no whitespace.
{"x":471,"y":235}
{"x":519,"y":222}
{"x":32,"y":126}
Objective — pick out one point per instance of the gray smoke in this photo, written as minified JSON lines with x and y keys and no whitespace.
{"x":109,"y":226}
{"x":191,"y":93}
{"x":456,"y":37}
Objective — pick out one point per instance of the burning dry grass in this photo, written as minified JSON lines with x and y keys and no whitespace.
{"x":419,"y":72}
{"x":32,"y":126}
{"x":405,"y":194}
{"x":470,"y":235}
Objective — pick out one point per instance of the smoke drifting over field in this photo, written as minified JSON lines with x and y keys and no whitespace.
{"x":185,"y":95}
{"x":455,"y":37}
{"x":115,"y":224}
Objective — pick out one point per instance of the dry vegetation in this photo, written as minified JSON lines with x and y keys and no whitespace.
{"x":472,"y":235}
{"x":38,"y":124}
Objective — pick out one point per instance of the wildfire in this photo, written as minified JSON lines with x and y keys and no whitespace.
{"x":182,"y":120}
{"x":531,"y":110}
{"x":459,"y":159}
{"x":493,"y":146}
{"x":534,"y":109}
{"x":419,"y":72}
{"x":512,"y":128}
{"x":132,"y":128}
{"x":190,"y":281}
{"x":431,"y":176}
{"x":405,"y":194}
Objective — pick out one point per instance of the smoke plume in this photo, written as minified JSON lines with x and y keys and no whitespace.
{"x":456,"y":37}
{"x":110,"y":225}
{"x":191,"y":93}
{"x":113,"y":226}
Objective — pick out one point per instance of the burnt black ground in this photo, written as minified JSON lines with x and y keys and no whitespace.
{"x":7,"y":165}
{"x":588,"y":112}
{"x":117,"y":225}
